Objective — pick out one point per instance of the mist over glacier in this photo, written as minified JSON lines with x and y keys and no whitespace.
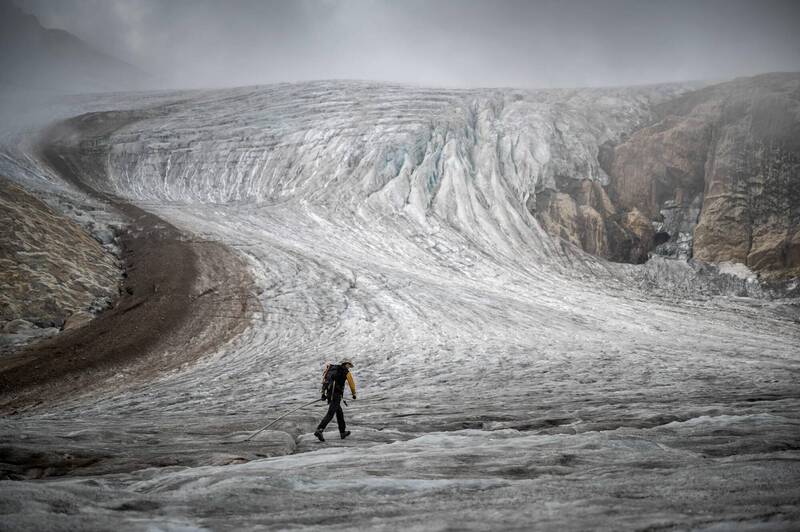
{"x":447,"y":43}
{"x":507,"y":378}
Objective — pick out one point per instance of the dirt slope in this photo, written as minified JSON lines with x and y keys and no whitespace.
{"x":167,"y":315}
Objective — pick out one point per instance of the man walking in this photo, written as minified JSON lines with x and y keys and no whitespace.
{"x":333,"y":389}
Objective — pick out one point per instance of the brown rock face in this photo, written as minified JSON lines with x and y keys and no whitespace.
{"x":751,"y":208}
{"x":50,"y":268}
{"x":639,"y":226}
{"x":717,"y":177}
{"x":559,"y":215}
{"x":592,"y":230}
{"x":659,"y":163}
{"x":583,"y":214}
{"x":723,"y":234}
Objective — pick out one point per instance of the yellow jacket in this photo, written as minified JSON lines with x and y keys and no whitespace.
{"x":351,"y":383}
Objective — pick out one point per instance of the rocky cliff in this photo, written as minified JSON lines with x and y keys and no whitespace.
{"x":716,"y":176}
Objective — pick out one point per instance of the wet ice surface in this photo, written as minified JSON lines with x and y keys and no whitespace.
{"x":503,"y":382}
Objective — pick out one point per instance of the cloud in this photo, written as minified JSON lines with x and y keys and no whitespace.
{"x":445,"y":42}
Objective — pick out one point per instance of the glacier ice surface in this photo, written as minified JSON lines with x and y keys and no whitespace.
{"x":506,"y":380}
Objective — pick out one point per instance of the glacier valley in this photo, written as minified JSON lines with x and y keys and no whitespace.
{"x":509,"y":376}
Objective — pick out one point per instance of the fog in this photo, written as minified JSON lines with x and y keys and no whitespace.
{"x":209,"y":43}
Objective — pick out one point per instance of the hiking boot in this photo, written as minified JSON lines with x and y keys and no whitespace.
{"x":344,"y":434}
{"x":318,"y":434}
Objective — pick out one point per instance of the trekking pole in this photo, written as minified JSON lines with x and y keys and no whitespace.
{"x":265,"y":427}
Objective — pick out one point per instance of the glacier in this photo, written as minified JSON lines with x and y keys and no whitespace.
{"x":507,"y":379}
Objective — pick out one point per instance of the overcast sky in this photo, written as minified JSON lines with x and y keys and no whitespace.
{"x":446,"y":42}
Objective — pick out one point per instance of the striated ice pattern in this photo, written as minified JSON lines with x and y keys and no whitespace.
{"x":506,"y":380}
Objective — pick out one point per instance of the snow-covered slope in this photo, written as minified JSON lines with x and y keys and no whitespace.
{"x":506,"y":379}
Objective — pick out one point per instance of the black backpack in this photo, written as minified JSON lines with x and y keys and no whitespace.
{"x":329,"y":380}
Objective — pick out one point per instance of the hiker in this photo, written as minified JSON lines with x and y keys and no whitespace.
{"x":333,"y":389}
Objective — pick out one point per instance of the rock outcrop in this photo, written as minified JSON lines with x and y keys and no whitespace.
{"x":715,"y":176}
{"x":719,"y":174}
{"x":582,"y":213}
{"x":53,"y":275}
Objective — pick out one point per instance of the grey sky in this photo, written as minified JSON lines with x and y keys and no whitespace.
{"x":445,"y":42}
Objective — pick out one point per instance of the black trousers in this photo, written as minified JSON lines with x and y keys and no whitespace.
{"x":334,"y":407}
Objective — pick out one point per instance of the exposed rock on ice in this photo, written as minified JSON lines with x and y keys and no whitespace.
{"x":722,"y":166}
{"x":50,"y":269}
